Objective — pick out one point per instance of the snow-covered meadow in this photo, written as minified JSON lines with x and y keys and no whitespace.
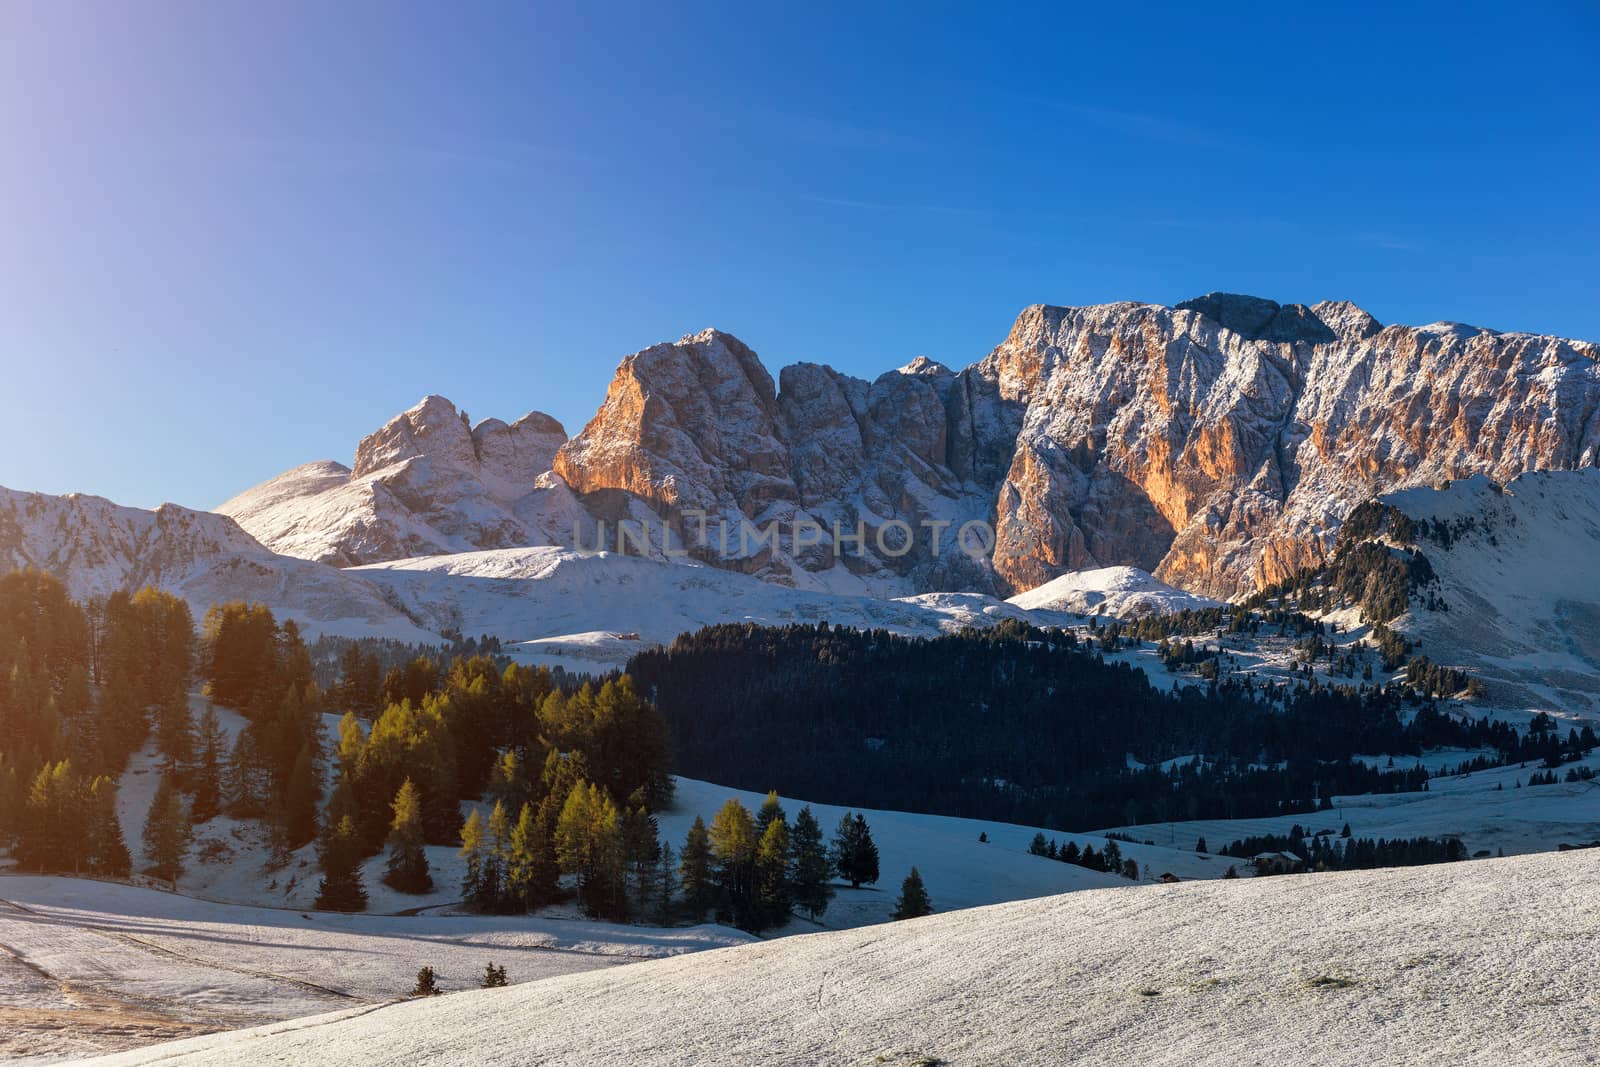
{"x":1487,"y":962}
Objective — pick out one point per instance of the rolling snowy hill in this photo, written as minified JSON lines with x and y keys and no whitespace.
{"x":1486,"y":962}
{"x":1518,"y":572}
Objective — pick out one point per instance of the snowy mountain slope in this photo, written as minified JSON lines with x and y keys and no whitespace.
{"x":89,"y":967}
{"x":96,"y":547}
{"x":555,"y":600}
{"x":426,"y":482}
{"x":1518,"y":573}
{"x":1485,"y":962}
{"x":1120,"y":591}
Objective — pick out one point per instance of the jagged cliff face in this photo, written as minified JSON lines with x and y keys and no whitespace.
{"x":1217,"y":443}
{"x":424,"y":484}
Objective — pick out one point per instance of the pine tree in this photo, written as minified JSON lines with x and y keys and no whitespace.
{"x":772,"y":874}
{"x":531,"y":870}
{"x":496,"y":857}
{"x":913,"y":901}
{"x":1200,"y":845}
{"x":589,"y":844}
{"x":427,"y":984}
{"x":641,"y":847}
{"x":811,"y":869}
{"x":299,"y":812}
{"x":207,"y":776}
{"x":771,"y":809}
{"x":665,"y":888}
{"x":167,"y":833}
{"x":733,"y":849}
{"x":698,"y":888}
{"x":175,"y":737}
{"x":407,"y":868}
{"x":493,"y":977}
{"x":107,"y":848}
{"x":854,"y":853}
{"x":472,"y":881}
{"x":342,"y":887}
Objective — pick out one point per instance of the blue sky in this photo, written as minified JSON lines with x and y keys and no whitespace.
{"x":237,"y":236}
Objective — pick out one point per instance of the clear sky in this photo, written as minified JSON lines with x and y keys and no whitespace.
{"x":236,"y":236}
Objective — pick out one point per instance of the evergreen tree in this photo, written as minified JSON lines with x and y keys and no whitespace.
{"x":772,"y":874}
{"x":493,"y":977}
{"x":699,"y":889}
{"x":342,"y":887}
{"x":855,"y":855}
{"x":531,"y":872}
{"x":107,"y":848}
{"x":589,"y":844}
{"x":1200,"y":845}
{"x":206,"y":779}
{"x":771,"y":810}
{"x":496,"y":857}
{"x":299,"y":806}
{"x":913,"y":901}
{"x":811,"y":868}
{"x":167,"y":833}
{"x":641,"y":848}
{"x":427,"y":984}
{"x":407,"y":868}
{"x":665,"y":888}
{"x":472,"y":881}
{"x":733,"y":851}
{"x":175,"y":736}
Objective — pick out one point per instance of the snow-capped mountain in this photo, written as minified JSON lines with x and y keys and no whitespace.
{"x":96,"y":547}
{"x":1217,"y":444}
{"x":425,"y":483}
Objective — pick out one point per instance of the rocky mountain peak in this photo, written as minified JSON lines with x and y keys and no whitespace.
{"x":432,"y":428}
{"x":1217,"y":444}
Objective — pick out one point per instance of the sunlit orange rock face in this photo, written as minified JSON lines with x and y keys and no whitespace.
{"x":1217,"y":443}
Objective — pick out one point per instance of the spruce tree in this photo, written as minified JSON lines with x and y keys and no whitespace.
{"x":175,"y":737}
{"x":493,"y":977}
{"x":206,"y":780}
{"x":913,"y":901}
{"x":107,"y":848}
{"x":665,"y":888}
{"x":772,"y":874}
{"x":855,"y":855}
{"x":810,"y":867}
{"x":167,"y":833}
{"x":342,"y":887}
{"x":300,"y":799}
{"x":641,"y":847}
{"x":427,"y":984}
{"x":699,"y":891}
{"x":531,"y":870}
{"x":407,"y":868}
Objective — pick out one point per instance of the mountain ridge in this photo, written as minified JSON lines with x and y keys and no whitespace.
{"x":1217,"y":443}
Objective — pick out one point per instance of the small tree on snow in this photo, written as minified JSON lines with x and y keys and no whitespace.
{"x":913,"y":902}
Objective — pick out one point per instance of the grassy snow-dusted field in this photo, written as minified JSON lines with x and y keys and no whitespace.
{"x":87,"y":967}
{"x":1487,"y":962}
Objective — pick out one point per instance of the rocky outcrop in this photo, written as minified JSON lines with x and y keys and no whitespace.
{"x":1217,"y":444}
{"x":424,"y":484}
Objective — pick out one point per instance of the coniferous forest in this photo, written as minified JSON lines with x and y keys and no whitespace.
{"x":1027,"y":726}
